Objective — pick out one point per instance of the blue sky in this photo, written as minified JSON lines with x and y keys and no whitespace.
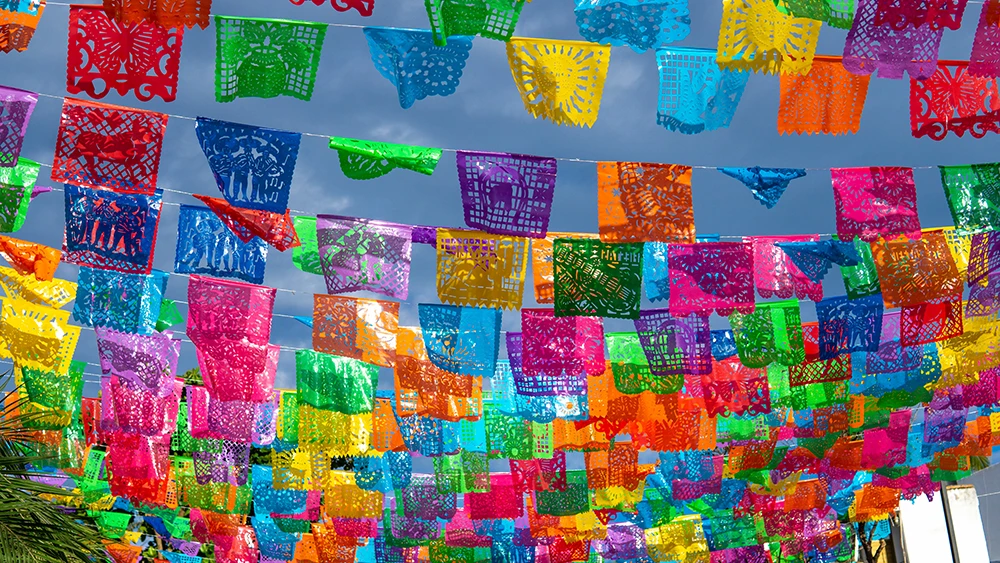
{"x":352,"y":100}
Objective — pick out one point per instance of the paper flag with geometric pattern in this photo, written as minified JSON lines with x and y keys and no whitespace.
{"x":644,"y":202}
{"x":266,"y":58}
{"x":409,"y":59}
{"x":361,"y":254}
{"x":16,"y":107}
{"x":142,"y":58}
{"x":105,"y":146}
{"x":755,"y":35}
{"x":695,"y":94}
{"x":640,"y":24}
{"x":481,"y":270}
{"x":180,"y":13}
{"x":507,"y":194}
{"x":493,"y":19}
{"x":829,"y":100}
{"x":561,"y":81}
{"x":109,"y":230}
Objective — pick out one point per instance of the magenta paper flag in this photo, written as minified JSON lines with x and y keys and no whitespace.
{"x":228,"y":309}
{"x":364,"y":255}
{"x":554,"y":345}
{"x":875,"y":202}
{"x":775,"y":275}
{"x":128,"y":407}
{"x":711,"y":276}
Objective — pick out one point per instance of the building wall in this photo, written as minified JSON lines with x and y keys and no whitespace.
{"x":987,"y":483}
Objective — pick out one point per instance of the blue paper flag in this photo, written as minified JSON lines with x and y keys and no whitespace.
{"x":766,"y":184}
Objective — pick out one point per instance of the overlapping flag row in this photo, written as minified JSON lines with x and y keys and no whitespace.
{"x":130,"y":47}
{"x":673,"y":441}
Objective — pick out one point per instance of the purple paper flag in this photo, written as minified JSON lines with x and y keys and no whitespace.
{"x":507,"y":194}
{"x":364,"y":255}
{"x":15,"y":112}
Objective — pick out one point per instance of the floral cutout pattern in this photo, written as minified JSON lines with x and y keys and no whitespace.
{"x":875,"y":202}
{"x":829,"y":100}
{"x":755,"y":35}
{"x":124,"y":302}
{"x":954,"y":101}
{"x":16,"y":107}
{"x":363,"y":7}
{"x":507,"y":194}
{"x":644,"y":202}
{"x":165,"y":13}
{"x":553,"y":345}
{"x":105,"y":146}
{"x":253,"y":166}
{"x":110,"y":230}
{"x":264,"y":58}
{"x":709,"y":276}
{"x":642,"y":25}
{"x":561,"y":81}
{"x":493,"y":19}
{"x":891,"y":52}
{"x":695,"y":94}
{"x":410,"y":60}
{"x":205,"y":245}
{"x":142,"y":58}
{"x":363,"y":329}
{"x":480,"y":269}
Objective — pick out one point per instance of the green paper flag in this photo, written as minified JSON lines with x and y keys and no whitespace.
{"x":861,"y":280}
{"x":492,"y":19}
{"x":16,"y":185}
{"x":364,"y":160}
{"x":772,"y":333}
{"x":836,"y":13}
{"x":170,"y":315}
{"x":597,"y":279}
{"x":631,"y":368}
{"x":306,"y":256}
{"x":973,"y":194}
{"x":333,"y":383}
{"x":265,"y":58}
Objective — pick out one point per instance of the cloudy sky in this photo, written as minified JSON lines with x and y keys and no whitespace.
{"x":352,"y":100}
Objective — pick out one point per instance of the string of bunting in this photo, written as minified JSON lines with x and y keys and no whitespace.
{"x":563,"y":81}
{"x":772,"y":439}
